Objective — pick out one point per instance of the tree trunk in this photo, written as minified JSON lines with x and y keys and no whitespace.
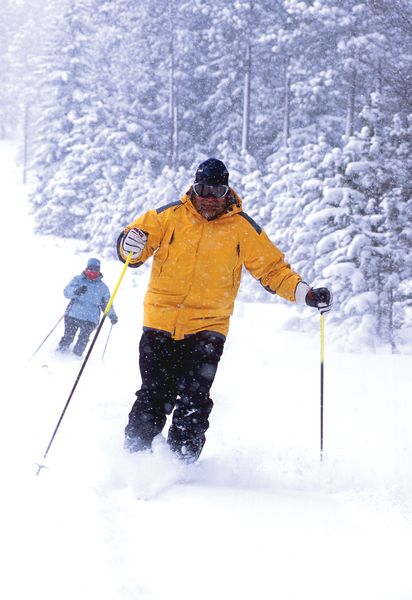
{"x":391,"y":329}
{"x":173,"y":148}
{"x":25,"y":142}
{"x":246,"y":98}
{"x":350,"y":110}
{"x":286,"y":107}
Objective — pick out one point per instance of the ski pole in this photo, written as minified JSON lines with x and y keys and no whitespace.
{"x":47,"y":336}
{"x":109,"y":304}
{"x":322,"y":363}
{"x":107,"y":341}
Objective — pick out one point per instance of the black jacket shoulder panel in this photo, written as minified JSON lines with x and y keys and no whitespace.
{"x":255,"y":226}
{"x":166,"y":206}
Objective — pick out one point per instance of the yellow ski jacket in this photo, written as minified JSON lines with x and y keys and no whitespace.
{"x":197,"y":266}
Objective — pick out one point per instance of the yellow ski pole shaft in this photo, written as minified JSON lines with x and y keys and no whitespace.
{"x":322,"y":363}
{"x":109,"y":304}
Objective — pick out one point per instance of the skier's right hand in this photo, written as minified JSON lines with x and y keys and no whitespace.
{"x":134,"y":242}
{"x":81,"y":290}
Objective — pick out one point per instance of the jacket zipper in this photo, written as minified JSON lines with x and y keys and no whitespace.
{"x":190,"y":287}
{"x":235,"y":268}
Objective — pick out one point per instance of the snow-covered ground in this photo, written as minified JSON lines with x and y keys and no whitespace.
{"x":259,"y":516}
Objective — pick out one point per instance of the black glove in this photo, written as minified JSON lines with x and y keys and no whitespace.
{"x":320,"y":298}
{"x":113,"y":320}
{"x":81,"y":290}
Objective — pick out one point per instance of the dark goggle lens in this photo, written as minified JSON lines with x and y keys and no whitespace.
{"x":205,"y":191}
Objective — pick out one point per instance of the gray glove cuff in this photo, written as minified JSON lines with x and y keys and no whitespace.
{"x":300,"y":293}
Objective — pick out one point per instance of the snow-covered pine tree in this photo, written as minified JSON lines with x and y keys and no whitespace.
{"x":350,"y":256}
{"x":303,"y":237}
{"x":393,"y":20}
{"x":396,"y":203}
{"x":134,"y":198}
{"x":284,"y":180}
{"x":9,"y":26}
{"x":253,"y":190}
{"x":121,"y":119}
{"x":222,"y":102}
{"x":27,"y":47}
{"x":66,"y":95}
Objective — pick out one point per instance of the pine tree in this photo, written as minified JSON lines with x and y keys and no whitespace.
{"x":396,"y":205}
{"x":351,"y":249}
{"x":66,"y":95}
{"x":115,"y":122}
{"x":11,"y":18}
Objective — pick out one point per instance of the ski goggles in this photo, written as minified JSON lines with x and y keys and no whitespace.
{"x":206,"y":191}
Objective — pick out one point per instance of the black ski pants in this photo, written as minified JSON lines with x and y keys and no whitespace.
{"x":71,"y":325}
{"x":176,"y":378}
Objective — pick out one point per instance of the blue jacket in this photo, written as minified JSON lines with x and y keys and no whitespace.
{"x":87,"y":306}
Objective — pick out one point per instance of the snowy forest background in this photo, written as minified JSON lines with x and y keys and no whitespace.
{"x":308,"y":102}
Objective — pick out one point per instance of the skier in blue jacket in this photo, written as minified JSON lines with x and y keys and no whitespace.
{"x":88,"y":295}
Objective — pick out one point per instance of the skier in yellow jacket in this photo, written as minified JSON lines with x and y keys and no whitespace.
{"x":199,"y":246}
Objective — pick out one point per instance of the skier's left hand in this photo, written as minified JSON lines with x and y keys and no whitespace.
{"x":320,"y":298}
{"x":114,"y":320}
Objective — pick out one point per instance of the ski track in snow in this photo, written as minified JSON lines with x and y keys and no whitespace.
{"x":259,"y":516}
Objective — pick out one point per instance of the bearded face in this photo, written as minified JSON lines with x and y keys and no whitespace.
{"x":210,"y":200}
{"x":210,"y":208}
